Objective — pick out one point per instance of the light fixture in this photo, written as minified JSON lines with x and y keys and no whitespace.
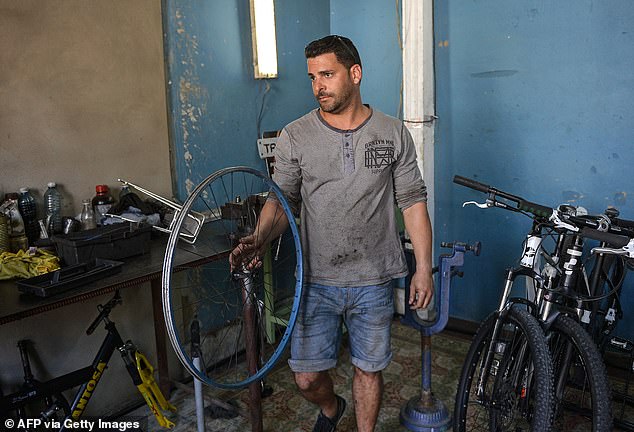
{"x":263,"y":37}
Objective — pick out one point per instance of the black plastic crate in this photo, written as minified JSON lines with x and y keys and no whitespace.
{"x":69,"y":277}
{"x":108,"y":242}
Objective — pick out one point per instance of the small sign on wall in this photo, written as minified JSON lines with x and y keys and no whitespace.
{"x":266,"y":149}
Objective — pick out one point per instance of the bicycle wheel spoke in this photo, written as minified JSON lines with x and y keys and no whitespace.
{"x":239,"y":313}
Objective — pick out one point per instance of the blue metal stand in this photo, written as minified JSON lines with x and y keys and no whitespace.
{"x":426,"y":413}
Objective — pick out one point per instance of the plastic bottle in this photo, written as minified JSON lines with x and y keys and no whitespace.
{"x":53,"y":206}
{"x":17,"y":239}
{"x":102,"y":202}
{"x":5,"y":242}
{"x":26,"y":205}
{"x":87,"y":217}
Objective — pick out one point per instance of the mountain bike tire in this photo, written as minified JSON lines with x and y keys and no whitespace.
{"x":582,"y":392}
{"x":230,"y":319}
{"x":508,"y":402}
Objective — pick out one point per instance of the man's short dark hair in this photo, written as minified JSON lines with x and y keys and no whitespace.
{"x":340,"y":46}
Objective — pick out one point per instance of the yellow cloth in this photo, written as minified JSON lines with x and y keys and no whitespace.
{"x":26,"y":264}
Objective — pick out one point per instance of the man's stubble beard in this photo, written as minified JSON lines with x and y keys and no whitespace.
{"x":339,"y":102}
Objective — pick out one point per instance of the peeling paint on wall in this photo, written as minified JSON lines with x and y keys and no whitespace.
{"x":189,"y":185}
{"x":571,"y":196}
{"x":620,"y":198}
{"x":193,"y":97}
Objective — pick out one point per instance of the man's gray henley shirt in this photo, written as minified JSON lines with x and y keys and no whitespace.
{"x":344,"y":184}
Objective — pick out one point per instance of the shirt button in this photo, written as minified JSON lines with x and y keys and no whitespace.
{"x":347,"y":155}
{"x":347,"y":144}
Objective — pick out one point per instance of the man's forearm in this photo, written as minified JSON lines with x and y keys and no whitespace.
{"x":418,"y":227}
{"x":271,"y":224}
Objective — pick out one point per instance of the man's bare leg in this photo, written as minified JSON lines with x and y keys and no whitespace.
{"x":317,"y":387}
{"x":367,"y":390}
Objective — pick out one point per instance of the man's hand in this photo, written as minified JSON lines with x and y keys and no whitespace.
{"x":421,"y":290}
{"x":247,"y":254}
{"x":271,"y":224}
{"x":418,"y":226}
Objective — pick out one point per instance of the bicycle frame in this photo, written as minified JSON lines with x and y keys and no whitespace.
{"x":139,"y":370}
{"x":111,"y":343}
{"x":89,"y":377}
{"x":561,"y":284}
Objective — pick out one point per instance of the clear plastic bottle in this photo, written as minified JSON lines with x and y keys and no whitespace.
{"x":5,"y":241}
{"x":17,"y":238}
{"x":102,"y":202}
{"x":87,"y":217}
{"x":26,"y":205}
{"x":53,"y":206}
{"x":11,"y":205}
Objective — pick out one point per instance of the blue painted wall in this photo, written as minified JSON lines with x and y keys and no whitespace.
{"x":533,"y":97}
{"x":214,"y":101}
{"x":536,"y":98}
{"x":374,"y":26}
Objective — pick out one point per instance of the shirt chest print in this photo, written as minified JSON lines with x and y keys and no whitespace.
{"x":379,"y":154}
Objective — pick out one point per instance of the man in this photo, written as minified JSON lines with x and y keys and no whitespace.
{"x":344,"y":166}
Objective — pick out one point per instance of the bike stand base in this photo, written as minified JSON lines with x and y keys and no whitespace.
{"x":429,"y":417}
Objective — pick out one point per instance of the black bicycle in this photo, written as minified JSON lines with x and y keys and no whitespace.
{"x":602,"y":310}
{"x":555,"y":295}
{"x":45,"y":402}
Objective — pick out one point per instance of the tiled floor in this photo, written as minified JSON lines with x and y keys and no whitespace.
{"x":286,"y":411}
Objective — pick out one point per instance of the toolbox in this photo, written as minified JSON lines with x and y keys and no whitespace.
{"x":114,"y":242}
{"x":69,"y":277}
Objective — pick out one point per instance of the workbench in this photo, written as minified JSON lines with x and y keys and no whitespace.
{"x":136,"y":271}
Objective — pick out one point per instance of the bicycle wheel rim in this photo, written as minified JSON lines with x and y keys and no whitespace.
{"x":229,"y":182}
{"x":479,"y":344}
{"x":497,"y":408}
{"x":582,"y":393}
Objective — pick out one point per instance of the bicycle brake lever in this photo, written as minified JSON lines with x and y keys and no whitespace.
{"x":559,"y":223}
{"x":627,"y":250}
{"x":480,"y":205}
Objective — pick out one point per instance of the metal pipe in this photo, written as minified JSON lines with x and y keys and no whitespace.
{"x":198,"y":396}
{"x":189,"y":232}
{"x":249,"y":316}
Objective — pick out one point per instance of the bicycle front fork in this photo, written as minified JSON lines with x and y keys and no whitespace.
{"x":142,"y":373}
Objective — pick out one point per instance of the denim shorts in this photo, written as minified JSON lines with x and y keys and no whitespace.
{"x":367,"y":313}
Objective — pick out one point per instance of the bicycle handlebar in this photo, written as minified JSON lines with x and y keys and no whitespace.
{"x":104,"y":311}
{"x":615,"y":240}
{"x":624,"y":223}
{"x":522,"y":204}
{"x":463,"y":181}
{"x":618,"y":233}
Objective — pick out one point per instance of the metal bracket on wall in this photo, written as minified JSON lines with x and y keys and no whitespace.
{"x":427,"y":120}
